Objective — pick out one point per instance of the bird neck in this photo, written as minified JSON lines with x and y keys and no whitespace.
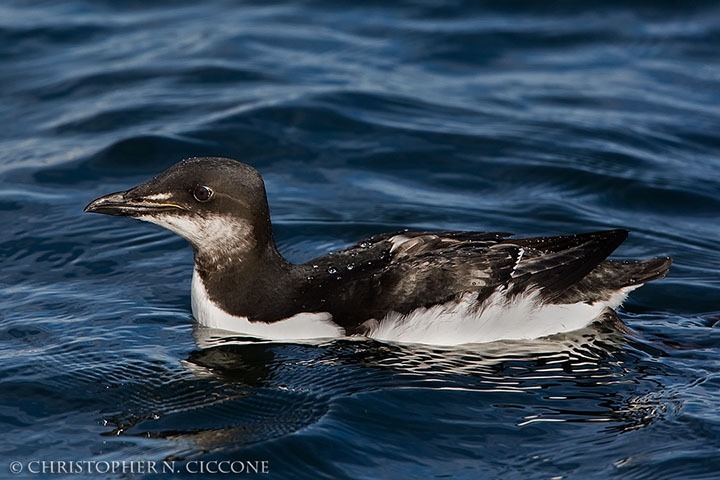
{"x":239,"y":244}
{"x":246,"y":282}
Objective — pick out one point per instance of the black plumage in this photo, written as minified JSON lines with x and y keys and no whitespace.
{"x":246,"y":276}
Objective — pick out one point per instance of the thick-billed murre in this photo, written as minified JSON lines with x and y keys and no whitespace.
{"x":425,"y":287}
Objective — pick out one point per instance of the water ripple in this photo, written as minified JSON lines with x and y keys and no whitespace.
{"x":362,"y":118}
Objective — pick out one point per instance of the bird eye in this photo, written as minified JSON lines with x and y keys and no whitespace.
{"x":202,"y":193}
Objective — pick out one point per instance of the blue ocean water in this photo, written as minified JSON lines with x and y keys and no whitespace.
{"x":363,"y":117}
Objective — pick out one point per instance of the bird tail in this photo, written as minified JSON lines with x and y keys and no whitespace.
{"x":629,"y":273}
{"x":615,"y":275}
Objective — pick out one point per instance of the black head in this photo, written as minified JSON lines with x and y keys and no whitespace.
{"x":217,"y":204}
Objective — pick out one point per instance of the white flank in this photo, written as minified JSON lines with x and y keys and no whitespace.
{"x":301,"y":326}
{"x":463,"y":321}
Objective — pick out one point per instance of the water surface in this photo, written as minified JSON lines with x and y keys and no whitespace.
{"x":363,"y":118}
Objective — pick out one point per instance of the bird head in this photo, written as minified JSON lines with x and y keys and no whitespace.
{"x":216,"y":204}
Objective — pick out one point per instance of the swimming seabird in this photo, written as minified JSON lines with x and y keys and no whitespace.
{"x":441,"y":287}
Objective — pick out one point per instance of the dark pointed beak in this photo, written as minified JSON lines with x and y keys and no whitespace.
{"x":129,"y":205}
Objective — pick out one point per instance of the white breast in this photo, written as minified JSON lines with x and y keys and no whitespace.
{"x":453,"y":323}
{"x":301,"y":326}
